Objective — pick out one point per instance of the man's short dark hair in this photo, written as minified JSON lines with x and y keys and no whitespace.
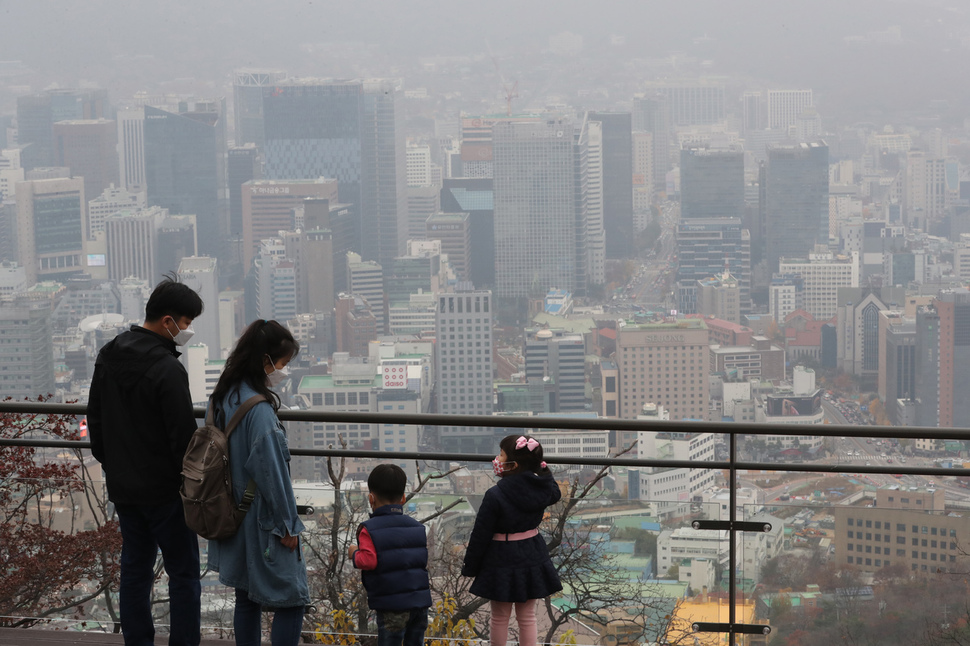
{"x":173,"y":298}
{"x":387,"y":482}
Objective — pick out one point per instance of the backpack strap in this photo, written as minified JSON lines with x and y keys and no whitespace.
{"x":244,"y":408}
{"x":250,"y":494}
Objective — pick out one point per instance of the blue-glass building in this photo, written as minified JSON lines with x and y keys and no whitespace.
{"x":350,"y":131}
{"x":182,"y":169}
{"x":796,"y":201}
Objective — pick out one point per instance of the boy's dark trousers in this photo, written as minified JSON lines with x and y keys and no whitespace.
{"x":401,"y":628}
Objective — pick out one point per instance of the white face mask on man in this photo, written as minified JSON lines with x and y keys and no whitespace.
{"x":183,"y":336}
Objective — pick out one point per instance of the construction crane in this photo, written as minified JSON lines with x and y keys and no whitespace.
{"x":511,"y":92}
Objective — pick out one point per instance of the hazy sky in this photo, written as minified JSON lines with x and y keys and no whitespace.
{"x":126,"y":45}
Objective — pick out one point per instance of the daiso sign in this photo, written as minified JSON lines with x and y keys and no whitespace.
{"x":394,"y":375}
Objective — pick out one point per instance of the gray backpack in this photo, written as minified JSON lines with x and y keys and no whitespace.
{"x":210,"y":508}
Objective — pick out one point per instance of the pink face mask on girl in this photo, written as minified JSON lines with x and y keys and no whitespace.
{"x":500,"y":468}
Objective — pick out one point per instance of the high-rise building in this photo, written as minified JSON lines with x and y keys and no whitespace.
{"x":664,"y":364}
{"x":617,"y":164}
{"x":275,"y":281}
{"x":421,"y":271}
{"x":858,"y":314}
{"x":268,"y":207}
{"x":423,"y":202}
{"x":692,"y":103}
{"x":247,"y":103}
{"x":51,"y":226}
{"x":177,"y":239}
{"x":339,"y":220}
{"x":784,"y":106}
{"x":953,"y":310}
{"x":475,"y":197}
{"x":590,"y":190}
{"x":463,"y":366}
{"x":89,"y":149}
{"x":477,"y":153}
{"x":796,"y":200}
{"x":366,"y":279}
{"x":707,"y":247}
{"x":928,"y":371}
{"x":752,"y":112}
{"x":27,"y":353}
{"x":651,"y":113}
{"x":131,"y":243}
{"x":926,"y":194}
{"x":183,"y":154}
{"x":355,"y":326}
{"x":37,"y":114}
{"x":823,"y":274}
{"x":131,"y":149}
{"x":897,"y":364}
{"x":201,"y":273}
{"x":453,"y":231}
{"x":384,"y":190}
{"x":642,"y":178}
{"x":560,"y":358}
{"x":110,"y":201}
{"x":10,"y":173}
{"x":419,"y":165}
{"x":540,"y":233}
{"x":711,"y":183}
{"x":351,"y":131}
{"x":720,"y":297}
{"x":242,"y":165}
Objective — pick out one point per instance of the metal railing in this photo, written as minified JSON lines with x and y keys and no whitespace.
{"x":732,"y":465}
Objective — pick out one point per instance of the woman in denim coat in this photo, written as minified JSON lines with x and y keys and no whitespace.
{"x":263,"y":560}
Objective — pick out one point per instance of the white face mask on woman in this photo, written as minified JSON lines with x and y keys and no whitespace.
{"x":274,"y":378}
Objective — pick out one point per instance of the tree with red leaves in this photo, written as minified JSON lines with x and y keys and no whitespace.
{"x":59,"y":549}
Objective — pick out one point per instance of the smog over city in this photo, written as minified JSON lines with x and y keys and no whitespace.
{"x":681,"y":233}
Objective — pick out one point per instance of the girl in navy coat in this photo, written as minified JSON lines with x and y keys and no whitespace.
{"x":506,"y":554}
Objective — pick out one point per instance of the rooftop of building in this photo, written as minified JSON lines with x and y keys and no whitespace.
{"x":448,"y":217}
{"x":666,"y":324}
{"x":287,"y":182}
{"x":322,"y":382}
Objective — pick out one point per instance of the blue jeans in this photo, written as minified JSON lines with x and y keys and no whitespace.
{"x":247,"y":620}
{"x":146,"y":529}
{"x":397,"y":628}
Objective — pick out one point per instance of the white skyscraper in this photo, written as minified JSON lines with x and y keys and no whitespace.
{"x":592,"y":136}
{"x":418,"y":165}
{"x":201,"y":273}
{"x":110,"y":202}
{"x":784,"y":106}
{"x":463,"y":365}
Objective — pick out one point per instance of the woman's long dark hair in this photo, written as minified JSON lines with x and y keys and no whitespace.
{"x":246,"y":362}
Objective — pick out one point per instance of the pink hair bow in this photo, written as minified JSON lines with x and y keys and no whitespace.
{"x":527,"y":442}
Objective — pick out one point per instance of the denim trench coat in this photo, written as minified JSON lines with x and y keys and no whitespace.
{"x":254,"y":559}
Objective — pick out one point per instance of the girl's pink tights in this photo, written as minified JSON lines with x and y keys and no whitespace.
{"x":525,"y":616}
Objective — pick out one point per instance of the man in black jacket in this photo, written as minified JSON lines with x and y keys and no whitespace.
{"x":140,"y":421}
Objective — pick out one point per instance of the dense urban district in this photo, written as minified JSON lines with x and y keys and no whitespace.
{"x":679,"y":246}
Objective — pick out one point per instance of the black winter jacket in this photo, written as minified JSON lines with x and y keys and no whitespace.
{"x":140,"y":417}
{"x":513,"y":570}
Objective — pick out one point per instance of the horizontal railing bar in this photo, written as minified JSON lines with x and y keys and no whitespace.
{"x":567,"y":423}
{"x":564,"y":460}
